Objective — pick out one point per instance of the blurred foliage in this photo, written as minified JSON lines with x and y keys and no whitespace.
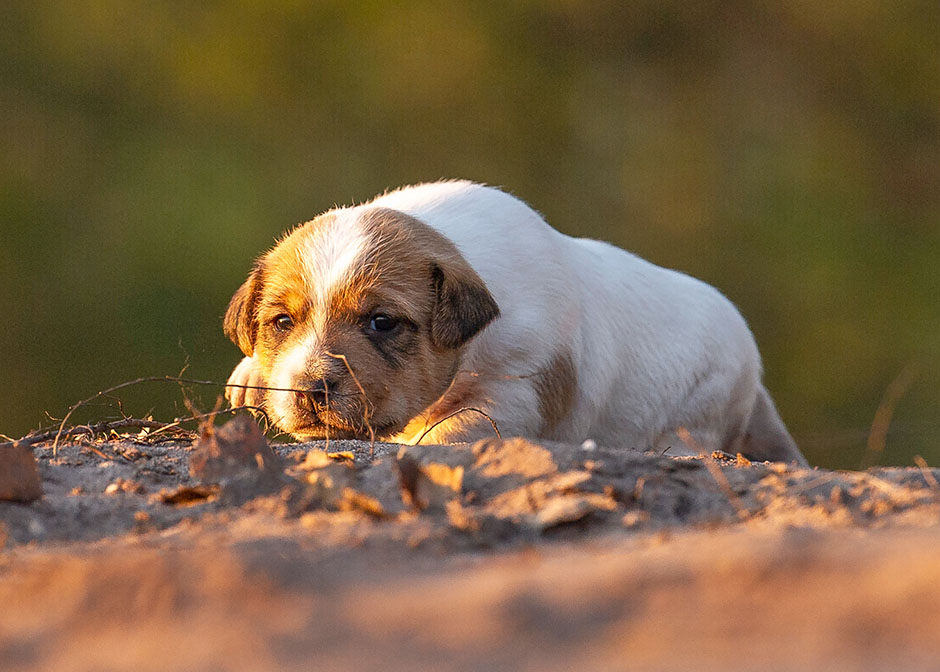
{"x":788,"y":153}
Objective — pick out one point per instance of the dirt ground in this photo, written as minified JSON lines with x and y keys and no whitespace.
{"x":228,"y":555}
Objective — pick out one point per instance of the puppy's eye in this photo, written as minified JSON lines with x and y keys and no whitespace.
{"x":382,"y":322}
{"x":283,"y":322}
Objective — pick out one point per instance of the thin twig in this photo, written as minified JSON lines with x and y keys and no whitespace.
{"x":97,"y":452}
{"x":878,"y":435}
{"x":61,"y":432}
{"x":927,"y":472}
{"x":156,"y":379}
{"x":366,"y":410}
{"x":79,"y":430}
{"x":124,"y":423}
{"x":326,"y":425}
{"x":458,"y":412}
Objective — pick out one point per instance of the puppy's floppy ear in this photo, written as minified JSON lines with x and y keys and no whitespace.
{"x":462,"y":306}
{"x":240,"y":323}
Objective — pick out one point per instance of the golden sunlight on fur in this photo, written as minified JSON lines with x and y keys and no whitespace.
{"x":447,"y":311}
{"x":406,"y":272}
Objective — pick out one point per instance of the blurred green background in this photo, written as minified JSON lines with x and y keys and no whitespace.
{"x":788,"y":153}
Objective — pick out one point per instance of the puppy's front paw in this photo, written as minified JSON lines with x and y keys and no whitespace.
{"x":247,"y":374}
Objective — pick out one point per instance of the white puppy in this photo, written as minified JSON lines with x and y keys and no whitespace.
{"x":388,"y":318}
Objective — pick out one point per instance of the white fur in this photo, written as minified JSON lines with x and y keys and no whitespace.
{"x":290,"y":368}
{"x":331,"y":257}
{"x":328,"y":260}
{"x":655,"y":352}
{"x":654,"y":349}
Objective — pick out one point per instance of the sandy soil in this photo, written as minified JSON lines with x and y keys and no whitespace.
{"x":228,"y":555}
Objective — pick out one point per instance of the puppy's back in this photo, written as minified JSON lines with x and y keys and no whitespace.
{"x":653,"y":348}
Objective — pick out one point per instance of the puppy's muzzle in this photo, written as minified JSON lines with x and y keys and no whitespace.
{"x":316,"y":397}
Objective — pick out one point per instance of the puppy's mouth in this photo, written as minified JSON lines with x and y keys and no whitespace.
{"x":339,"y":417}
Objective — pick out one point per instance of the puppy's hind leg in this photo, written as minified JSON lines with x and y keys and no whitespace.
{"x":766,"y":437}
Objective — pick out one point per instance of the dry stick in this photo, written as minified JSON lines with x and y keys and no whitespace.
{"x":927,"y":472}
{"x":124,"y":423}
{"x":74,"y":407}
{"x":58,"y":434}
{"x":713,"y":469}
{"x":326,"y":426}
{"x":208,"y":417}
{"x":99,"y":453}
{"x":366,"y":412}
{"x":155,"y":379}
{"x":878,"y":436}
{"x":458,"y":412}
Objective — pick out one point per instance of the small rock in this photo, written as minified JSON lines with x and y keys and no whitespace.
{"x":325,"y":486}
{"x":123,"y":485}
{"x":19,"y":474}
{"x":428,"y":486}
{"x":561,"y":510}
{"x":353,"y":500}
{"x":188,"y":495}
{"x":512,"y":457}
{"x":382,"y":480}
{"x":635,"y":518}
{"x":316,"y":459}
{"x":230,"y":451}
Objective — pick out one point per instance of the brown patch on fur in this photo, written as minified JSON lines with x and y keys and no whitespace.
{"x":407,"y":271}
{"x":240,"y":319}
{"x":462,"y":303}
{"x":464,"y":391}
{"x":555,"y":385}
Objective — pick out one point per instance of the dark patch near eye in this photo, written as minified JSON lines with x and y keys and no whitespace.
{"x":272,"y":339}
{"x":555,"y":385}
{"x":397,"y":347}
{"x":270,"y":335}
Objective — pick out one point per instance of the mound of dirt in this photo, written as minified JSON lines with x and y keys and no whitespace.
{"x":230,"y":554}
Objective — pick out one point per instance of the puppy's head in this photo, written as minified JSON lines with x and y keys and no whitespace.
{"x":366,"y":311}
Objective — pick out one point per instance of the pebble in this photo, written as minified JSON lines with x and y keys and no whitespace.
{"x":19,"y":474}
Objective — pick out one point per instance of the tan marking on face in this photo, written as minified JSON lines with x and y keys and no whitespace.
{"x":555,"y":384}
{"x":331,"y":282}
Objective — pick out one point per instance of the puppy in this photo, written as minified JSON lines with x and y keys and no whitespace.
{"x":393,"y":318}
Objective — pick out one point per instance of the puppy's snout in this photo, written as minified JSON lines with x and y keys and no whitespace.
{"x":316,"y":394}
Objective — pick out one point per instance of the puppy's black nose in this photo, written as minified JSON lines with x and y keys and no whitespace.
{"x":316,"y":394}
